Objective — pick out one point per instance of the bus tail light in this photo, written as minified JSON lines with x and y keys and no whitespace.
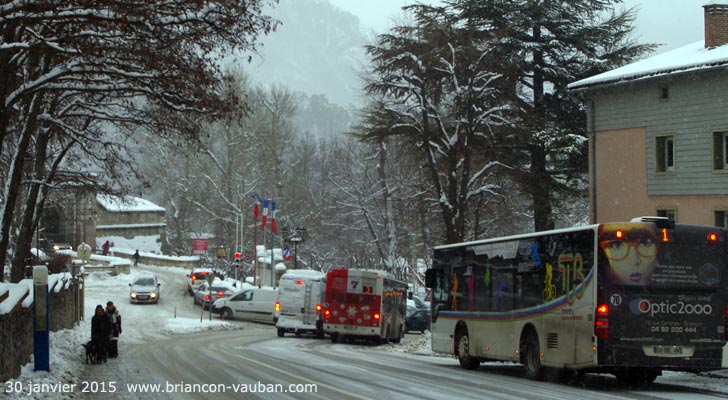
{"x":327,"y":313}
{"x":376,"y":317}
{"x":278,"y":306}
{"x":601,"y":322}
{"x":318,"y":307}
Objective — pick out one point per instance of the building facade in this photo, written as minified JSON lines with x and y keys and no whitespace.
{"x":658,"y":133}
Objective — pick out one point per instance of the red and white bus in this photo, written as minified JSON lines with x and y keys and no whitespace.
{"x":363,"y":304}
{"x":631,"y":299}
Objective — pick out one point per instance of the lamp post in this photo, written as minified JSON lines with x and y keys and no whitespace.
{"x":298,"y":235}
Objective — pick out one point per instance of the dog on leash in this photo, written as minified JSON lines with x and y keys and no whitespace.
{"x":90,"y":347}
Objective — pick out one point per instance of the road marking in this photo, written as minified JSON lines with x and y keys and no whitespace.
{"x":344,"y":392}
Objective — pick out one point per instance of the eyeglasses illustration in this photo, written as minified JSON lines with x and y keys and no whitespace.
{"x":618,"y":250}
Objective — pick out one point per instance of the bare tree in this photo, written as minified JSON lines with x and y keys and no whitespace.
{"x":79,"y":67}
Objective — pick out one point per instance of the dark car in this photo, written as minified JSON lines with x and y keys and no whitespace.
{"x":417,"y":321}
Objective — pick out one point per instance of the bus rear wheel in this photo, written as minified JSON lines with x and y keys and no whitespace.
{"x":532,"y":359}
{"x":463,"y":345}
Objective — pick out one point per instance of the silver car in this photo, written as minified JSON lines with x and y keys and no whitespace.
{"x":144,"y":288}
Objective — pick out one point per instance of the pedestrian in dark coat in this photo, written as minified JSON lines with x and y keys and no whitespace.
{"x":105,"y":248}
{"x":115,"y":320}
{"x":136,"y":257}
{"x":100,"y":332}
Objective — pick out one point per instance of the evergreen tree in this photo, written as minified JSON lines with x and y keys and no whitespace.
{"x":557,"y":42}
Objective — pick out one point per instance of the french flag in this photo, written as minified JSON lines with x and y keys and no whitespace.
{"x":286,"y":254}
{"x":256,"y":207}
{"x":273,"y":227}
{"x":265,"y":213}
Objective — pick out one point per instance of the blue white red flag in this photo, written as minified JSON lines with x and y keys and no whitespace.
{"x":256,"y":207}
{"x":273,"y":227}
{"x":265,"y":213}
{"x":287,"y":254}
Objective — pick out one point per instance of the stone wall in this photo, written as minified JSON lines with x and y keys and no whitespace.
{"x":16,"y":329}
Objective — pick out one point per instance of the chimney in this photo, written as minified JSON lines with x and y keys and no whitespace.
{"x":716,"y":25}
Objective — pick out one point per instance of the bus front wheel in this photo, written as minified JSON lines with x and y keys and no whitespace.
{"x":532,"y":359}
{"x":463,"y":345}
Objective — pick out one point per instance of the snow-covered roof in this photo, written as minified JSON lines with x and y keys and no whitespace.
{"x":689,"y":58}
{"x":303,"y":273}
{"x":126,"y":203}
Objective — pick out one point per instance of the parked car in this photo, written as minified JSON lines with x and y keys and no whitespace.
{"x":257,"y":304}
{"x":197,"y":276}
{"x":415,"y":303}
{"x":417,"y":321}
{"x":206,"y":294}
{"x":144,"y":288}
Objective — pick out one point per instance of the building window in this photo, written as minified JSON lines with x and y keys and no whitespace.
{"x":720,"y":150}
{"x":669,"y":213}
{"x":721,"y":218}
{"x":664,"y":94}
{"x":665,"y":153}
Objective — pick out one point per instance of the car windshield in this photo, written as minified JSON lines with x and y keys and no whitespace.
{"x":144,"y":281}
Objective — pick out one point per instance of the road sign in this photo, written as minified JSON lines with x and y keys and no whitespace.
{"x":199,"y":246}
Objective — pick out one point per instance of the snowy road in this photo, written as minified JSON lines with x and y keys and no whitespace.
{"x":257,"y":358}
{"x":168,"y":352}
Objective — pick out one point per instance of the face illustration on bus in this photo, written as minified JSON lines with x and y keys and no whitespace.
{"x":631,"y":251}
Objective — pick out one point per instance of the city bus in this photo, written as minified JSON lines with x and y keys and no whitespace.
{"x":362,"y":304}
{"x":630,"y":299}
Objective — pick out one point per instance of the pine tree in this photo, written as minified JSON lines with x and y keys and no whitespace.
{"x":557,"y":42}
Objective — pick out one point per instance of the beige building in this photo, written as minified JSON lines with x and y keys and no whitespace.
{"x":658,"y":133}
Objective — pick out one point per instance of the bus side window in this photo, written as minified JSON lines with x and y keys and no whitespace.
{"x":430,"y":278}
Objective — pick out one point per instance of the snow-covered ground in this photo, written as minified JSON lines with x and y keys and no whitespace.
{"x":172,"y":317}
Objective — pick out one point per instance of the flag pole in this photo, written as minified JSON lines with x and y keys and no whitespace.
{"x":272,"y":241}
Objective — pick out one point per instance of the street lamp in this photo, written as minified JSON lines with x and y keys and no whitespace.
{"x":298,"y":235}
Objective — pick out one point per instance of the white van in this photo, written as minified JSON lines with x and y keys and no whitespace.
{"x":300,"y":298}
{"x":256,"y":304}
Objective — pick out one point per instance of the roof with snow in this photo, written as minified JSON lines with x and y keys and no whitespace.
{"x":690,"y":58}
{"x":126,"y":204}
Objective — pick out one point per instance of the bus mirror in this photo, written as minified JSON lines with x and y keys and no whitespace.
{"x":430,"y":278}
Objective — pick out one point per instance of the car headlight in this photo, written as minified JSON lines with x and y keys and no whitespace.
{"x":153,"y":295}
{"x":133,"y":295}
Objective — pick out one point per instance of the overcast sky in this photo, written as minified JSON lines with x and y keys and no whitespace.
{"x":672,"y":23}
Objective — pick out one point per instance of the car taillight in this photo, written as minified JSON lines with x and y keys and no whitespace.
{"x":194,"y":277}
{"x":207,"y":297}
{"x":278,"y":306}
{"x":318,"y":307}
{"x":220,"y":294}
{"x":327,"y":313}
{"x":601,"y":322}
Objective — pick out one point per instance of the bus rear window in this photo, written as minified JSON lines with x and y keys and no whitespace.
{"x":640,"y":255}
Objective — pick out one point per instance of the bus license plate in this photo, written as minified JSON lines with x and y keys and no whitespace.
{"x":349,"y":327}
{"x":667,"y":349}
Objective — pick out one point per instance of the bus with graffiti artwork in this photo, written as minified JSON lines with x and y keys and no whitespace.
{"x":631,"y":299}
